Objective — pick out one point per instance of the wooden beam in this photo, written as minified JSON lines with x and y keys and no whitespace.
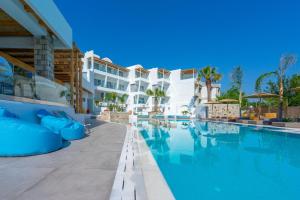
{"x":17,"y":62}
{"x":76,"y":82}
{"x":72,"y":77}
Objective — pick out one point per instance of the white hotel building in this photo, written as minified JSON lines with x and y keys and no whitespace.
{"x":101,"y":75}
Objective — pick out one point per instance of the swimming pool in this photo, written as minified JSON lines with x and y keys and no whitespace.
{"x":213,"y":160}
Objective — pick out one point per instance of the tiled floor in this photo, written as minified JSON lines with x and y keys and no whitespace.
{"x":83,"y":170}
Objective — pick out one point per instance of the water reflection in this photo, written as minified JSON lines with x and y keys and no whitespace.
{"x":224,"y":159}
{"x":189,"y":141}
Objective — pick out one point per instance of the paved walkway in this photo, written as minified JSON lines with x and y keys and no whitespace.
{"x":84,"y":170}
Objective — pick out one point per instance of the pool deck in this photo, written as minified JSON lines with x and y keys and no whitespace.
{"x":84,"y":170}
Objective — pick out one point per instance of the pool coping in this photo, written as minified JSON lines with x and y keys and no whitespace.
{"x":138,"y":175}
{"x":155,"y":183}
{"x":294,"y":131}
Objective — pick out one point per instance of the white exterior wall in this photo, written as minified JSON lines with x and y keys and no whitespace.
{"x":180,"y":92}
{"x":138,"y":82}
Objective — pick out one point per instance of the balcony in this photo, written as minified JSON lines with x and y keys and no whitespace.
{"x":111,"y":88}
{"x":102,"y":70}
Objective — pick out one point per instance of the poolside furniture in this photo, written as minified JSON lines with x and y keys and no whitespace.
{"x":252,"y":122}
{"x":270,"y":115}
{"x":268,"y":118}
{"x":22,"y":138}
{"x":62,"y":124}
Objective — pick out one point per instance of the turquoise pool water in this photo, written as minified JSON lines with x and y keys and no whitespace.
{"x":211,"y":160}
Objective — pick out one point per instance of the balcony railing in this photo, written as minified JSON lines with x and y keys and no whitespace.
{"x":34,"y":87}
{"x":110,"y":70}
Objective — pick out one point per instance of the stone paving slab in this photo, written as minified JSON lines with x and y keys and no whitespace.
{"x":83,"y":170}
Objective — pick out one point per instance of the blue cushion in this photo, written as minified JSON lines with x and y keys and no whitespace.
{"x":21,"y":138}
{"x":73,"y":132}
{"x":6,"y":113}
{"x":55,"y":124}
{"x":41,"y":113}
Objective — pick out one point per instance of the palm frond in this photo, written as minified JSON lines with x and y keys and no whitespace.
{"x":286,"y":61}
{"x":261,"y":78}
{"x":149,"y":92}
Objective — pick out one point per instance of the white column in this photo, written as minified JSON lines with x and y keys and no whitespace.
{"x":105,"y":80}
{"x":118,"y":80}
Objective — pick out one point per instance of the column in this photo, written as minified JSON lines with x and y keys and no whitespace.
{"x":44,"y":56}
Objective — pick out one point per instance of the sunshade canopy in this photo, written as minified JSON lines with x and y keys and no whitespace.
{"x":296,"y":89}
{"x":212,"y":102}
{"x":229,"y":101}
{"x":261,"y":95}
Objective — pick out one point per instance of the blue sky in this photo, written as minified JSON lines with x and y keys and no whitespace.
{"x":189,"y":33}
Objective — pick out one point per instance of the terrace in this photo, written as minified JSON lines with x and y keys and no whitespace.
{"x":188,"y":74}
{"x":70,"y":173}
{"x":38,"y":62}
{"x":107,"y":68}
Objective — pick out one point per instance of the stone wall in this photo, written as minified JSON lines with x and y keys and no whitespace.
{"x":118,"y":117}
{"x":293,"y":112}
{"x":44,"y":56}
{"x":223,"y":110}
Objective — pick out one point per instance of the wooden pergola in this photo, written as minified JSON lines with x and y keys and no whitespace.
{"x":67,"y":68}
{"x":164,"y":71}
{"x":143,"y":70}
{"x":67,"y":62}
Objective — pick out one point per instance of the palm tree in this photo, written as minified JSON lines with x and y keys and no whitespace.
{"x":156,"y":94}
{"x":237,"y":79}
{"x":210,"y":75}
{"x":111,"y":97}
{"x":286,"y":61}
{"x":122,"y":100}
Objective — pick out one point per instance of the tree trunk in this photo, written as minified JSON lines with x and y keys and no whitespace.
{"x":240,"y":101}
{"x":208,"y":87}
{"x":280,"y":107}
{"x":155,"y":104}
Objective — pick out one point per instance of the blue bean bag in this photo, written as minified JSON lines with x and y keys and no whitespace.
{"x":55,"y":124}
{"x":41,"y":113}
{"x":68,"y":128}
{"x":21,"y":138}
{"x":73,"y":132}
{"x":6,"y":113}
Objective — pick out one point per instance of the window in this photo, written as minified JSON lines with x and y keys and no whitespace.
{"x":96,"y":66}
{"x":89,"y":63}
{"x":141,"y":100}
{"x":186,"y":76}
{"x":6,"y":77}
{"x":111,"y":85}
{"x":98,"y":82}
{"x":142,"y":88}
{"x":122,"y":87}
{"x":160,"y":75}
{"x":111,"y":70}
{"x":121,"y":73}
